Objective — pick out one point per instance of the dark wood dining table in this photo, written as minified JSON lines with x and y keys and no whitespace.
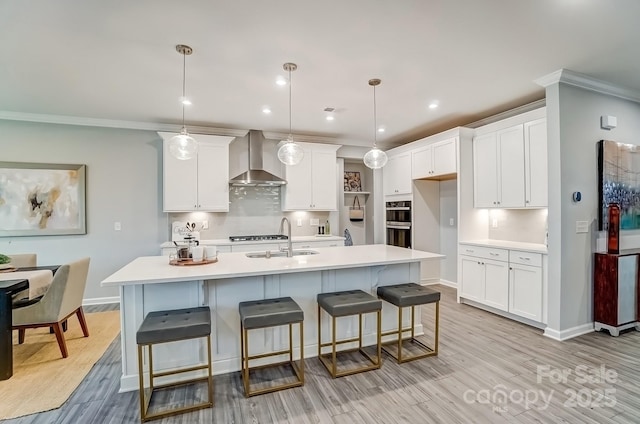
{"x":7,"y":288}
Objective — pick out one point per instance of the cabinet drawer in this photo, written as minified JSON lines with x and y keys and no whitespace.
{"x":525,"y":258}
{"x":484,"y":252}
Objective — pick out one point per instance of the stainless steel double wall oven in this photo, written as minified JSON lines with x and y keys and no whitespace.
{"x":398,"y":216}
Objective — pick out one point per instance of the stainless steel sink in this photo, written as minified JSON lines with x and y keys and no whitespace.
{"x":279,"y":254}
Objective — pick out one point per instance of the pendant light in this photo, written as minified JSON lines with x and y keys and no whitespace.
{"x":375,"y":158}
{"x":183,"y":146}
{"x":289,"y":152}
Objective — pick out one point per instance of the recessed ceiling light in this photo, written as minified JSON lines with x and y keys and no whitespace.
{"x":330,"y":117}
{"x":381,"y":129}
{"x":281,"y":80}
{"x":185,"y":101}
{"x":266,"y":110}
{"x":433,"y":105}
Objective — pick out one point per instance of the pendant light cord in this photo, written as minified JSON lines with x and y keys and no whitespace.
{"x":184,"y":78}
{"x":290,"y":135}
{"x":375,"y":122}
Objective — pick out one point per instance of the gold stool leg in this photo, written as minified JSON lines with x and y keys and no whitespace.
{"x":334,"y":359}
{"x":141,"y":380}
{"x":380,"y":338}
{"x":301,"y":352}
{"x":210,"y":370}
{"x":319,"y":333}
{"x":399,"y":334}
{"x":437,"y":330}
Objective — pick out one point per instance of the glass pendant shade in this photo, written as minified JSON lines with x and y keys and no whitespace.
{"x":289,"y":152}
{"x":183,"y":146}
{"x":375,"y":158}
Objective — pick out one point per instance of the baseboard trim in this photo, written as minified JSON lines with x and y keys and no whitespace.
{"x":504,"y":314}
{"x":569,"y":333}
{"x":100,"y":300}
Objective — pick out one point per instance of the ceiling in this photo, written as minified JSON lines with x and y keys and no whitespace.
{"x":117,"y":61}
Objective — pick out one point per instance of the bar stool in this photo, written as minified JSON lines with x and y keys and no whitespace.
{"x":270,"y":313}
{"x":170,"y":326}
{"x":405,"y":295}
{"x":348,"y":303}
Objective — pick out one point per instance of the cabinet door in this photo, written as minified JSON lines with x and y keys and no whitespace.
{"x":510,"y":144}
{"x":213,"y":177}
{"x":472,"y":278}
{"x":323,"y":181}
{"x":180,"y":182}
{"x":496,"y":292}
{"x":485,"y":175}
{"x":397,"y":175}
{"x":421,"y":163}
{"x":298,"y":189}
{"x":444,"y":158}
{"x":535,"y":144}
{"x":525,"y":291}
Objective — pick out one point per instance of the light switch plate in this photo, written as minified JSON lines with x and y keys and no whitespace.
{"x":582,"y":227}
{"x":451,"y":221}
{"x":205,"y":225}
{"x":117,"y":226}
{"x":299,"y":222}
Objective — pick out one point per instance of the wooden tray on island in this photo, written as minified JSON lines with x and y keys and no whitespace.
{"x":187,"y":262}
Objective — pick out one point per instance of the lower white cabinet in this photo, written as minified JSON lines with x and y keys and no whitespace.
{"x":506,"y":280}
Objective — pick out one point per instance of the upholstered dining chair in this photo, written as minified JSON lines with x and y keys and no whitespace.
{"x":23,"y":260}
{"x":61,"y":300}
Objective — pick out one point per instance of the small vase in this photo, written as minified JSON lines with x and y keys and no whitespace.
{"x":613,"y":233}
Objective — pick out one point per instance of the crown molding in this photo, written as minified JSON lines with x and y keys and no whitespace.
{"x":508,"y":114}
{"x":109,"y":123}
{"x":584,"y":81}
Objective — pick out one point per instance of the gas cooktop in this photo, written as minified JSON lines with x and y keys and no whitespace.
{"x":259,"y":237}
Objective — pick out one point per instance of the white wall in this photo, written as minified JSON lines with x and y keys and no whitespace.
{"x":123,"y":185}
{"x":573,"y":131}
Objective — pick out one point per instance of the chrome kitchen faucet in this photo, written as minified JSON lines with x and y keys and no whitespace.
{"x":289,"y":246}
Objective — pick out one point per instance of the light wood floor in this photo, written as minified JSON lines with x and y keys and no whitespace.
{"x":482,"y":356}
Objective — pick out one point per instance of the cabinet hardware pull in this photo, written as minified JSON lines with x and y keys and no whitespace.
{"x":468,"y":250}
{"x":524,"y":259}
{"x":494,"y":254}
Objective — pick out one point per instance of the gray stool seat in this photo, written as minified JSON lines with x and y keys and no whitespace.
{"x":257,"y":314}
{"x":171,"y":326}
{"x":350,"y":302}
{"x":269,"y":313}
{"x":409,"y":294}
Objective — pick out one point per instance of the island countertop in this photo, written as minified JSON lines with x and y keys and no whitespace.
{"x":156,"y":269}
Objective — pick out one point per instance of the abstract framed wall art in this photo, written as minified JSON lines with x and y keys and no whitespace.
{"x":38,"y":199}
{"x":352,"y":181}
{"x":619,"y":182}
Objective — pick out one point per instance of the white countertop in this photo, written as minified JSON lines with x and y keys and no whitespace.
{"x":156,"y":269}
{"x":227,"y":242}
{"x":505,"y":244}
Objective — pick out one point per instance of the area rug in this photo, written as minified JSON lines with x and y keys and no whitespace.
{"x":42,"y":379}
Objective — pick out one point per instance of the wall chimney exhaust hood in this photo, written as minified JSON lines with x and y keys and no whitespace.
{"x":256,"y":175}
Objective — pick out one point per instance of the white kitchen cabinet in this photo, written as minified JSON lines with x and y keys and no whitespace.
{"x":525,"y":284}
{"x":319,"y":243}
{"x":201,"y":183}
{"x":504,"y":279}
{"x":510,"y":167}
{"x":312,"y":184}
{"x":536,"y":174}
{"x":485,"y":280}
{"x":498,"y":165}
{"x":436,"y":161}
{"x":396,"y":175}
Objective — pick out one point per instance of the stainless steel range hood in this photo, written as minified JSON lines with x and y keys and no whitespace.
{"x":256,"y":175}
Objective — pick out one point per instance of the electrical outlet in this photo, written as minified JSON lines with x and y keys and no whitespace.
{"x":314,"y":222}
{"x":117,"y":226}
{"x":494,"y":223}
{"x":451,"y":222}
{"x":205,"y":225}
{"x":299,"y":222}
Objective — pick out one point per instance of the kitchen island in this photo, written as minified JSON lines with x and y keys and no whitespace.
{"x":149,"y":284}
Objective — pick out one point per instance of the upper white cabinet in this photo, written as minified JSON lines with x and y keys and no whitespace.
{"x":510,"y":167}
{"x":535,"y":153}
{"x":437,"y":160}
{"x":201,"y":183}
{"x":312,"y":184}
{"x":396,"y":175}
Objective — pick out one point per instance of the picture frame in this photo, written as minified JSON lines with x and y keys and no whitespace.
{"x":352,"y":181}
{"x":42,"y":199}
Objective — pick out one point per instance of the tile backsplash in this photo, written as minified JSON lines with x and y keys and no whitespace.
{"x":523,"y":225}
{"x":252,"y":210}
